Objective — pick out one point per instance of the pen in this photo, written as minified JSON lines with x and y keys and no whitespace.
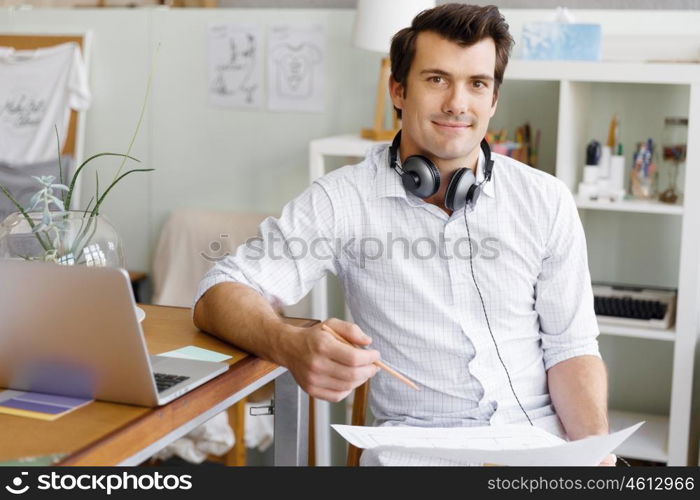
{"x":380,"y":364}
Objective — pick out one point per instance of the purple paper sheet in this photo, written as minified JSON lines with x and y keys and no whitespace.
{"x":26,"y":405}
{"x":51,"y":399}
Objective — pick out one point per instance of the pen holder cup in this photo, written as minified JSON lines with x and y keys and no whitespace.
{"x":642,"y":186}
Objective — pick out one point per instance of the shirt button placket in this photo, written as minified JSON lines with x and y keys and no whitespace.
{"x":465,"y":295}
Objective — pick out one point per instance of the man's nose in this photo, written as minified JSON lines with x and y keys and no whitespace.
{"x":457,"y":101}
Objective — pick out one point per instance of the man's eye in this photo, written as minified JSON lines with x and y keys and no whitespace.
{"x":436,"y":79}
{"x":479,"y":84}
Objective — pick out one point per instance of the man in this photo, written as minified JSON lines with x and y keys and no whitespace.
{"x":487,"y":307}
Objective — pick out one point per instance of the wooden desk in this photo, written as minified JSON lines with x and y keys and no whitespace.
{"x":103,"y":433}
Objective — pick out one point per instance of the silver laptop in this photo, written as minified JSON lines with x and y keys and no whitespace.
{"x":73,"y":330}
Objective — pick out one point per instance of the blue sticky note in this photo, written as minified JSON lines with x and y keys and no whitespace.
{"x":197,"y":353}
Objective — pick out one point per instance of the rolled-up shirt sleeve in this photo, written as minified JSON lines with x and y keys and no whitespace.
{"x":289,"y":255}
{"x":564,"y":298}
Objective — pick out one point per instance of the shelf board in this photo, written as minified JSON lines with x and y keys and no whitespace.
{"x":637,"y":332}
{"x":650,"y":442}
{"x":636,"y":206}
{"x":604,"y":71}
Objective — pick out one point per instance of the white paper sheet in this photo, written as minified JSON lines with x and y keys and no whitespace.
{"x":296,"y":68}
{"x":514,"y":445}
{"x":235,"y":65}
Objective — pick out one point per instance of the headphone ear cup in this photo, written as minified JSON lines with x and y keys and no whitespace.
{"x":459,"y":188}
{"x":473,"y":194}
{"x":421,"y":177}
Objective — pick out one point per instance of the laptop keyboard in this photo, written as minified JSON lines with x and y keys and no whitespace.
{"x":165,"y":381}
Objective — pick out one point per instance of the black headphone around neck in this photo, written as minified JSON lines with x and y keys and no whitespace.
{"x":421,"y":177}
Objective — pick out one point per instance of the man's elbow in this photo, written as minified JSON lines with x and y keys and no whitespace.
{"x":578,"y":362}
{"x":199,"y":315}
{"x":210,"y":304}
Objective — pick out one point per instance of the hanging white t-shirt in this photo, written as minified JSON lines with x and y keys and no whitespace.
{"x":38,"y":88}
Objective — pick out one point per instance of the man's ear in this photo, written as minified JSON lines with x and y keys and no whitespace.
{"x":494,"y":105}
{"x":396,"y":92}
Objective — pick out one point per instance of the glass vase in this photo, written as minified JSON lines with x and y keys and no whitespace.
{"x":67,"y":238}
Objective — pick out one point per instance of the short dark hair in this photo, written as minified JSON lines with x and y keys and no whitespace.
{"x":460,"y":23}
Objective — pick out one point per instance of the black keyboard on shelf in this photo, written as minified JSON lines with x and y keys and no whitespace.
{"x":165,"y":381}
{"x":634,"y":306}
{"x":627,"y":307}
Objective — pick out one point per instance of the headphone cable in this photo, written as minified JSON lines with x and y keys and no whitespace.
{"x":488,"y":323}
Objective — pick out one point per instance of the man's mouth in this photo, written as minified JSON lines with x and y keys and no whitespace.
{"x":452,"y":125}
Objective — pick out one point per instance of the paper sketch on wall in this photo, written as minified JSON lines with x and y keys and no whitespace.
{"x":296,"y":68}
{"x":235,"y":65}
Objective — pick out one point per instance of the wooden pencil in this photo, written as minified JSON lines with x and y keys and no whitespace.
{"x":380,"y":364}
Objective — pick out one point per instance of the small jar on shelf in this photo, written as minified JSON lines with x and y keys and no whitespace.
{"x":674,"y":145}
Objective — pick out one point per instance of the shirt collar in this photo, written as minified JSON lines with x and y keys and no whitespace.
{"x":388,"y":182}
{"x":488,"y":187}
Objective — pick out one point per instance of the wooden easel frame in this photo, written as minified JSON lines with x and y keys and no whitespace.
{"x":76,"y":127}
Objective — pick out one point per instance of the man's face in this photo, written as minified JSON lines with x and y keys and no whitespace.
{"x":448,"y":98}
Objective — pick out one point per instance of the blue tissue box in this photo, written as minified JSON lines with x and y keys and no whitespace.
{"x":547,"y":41}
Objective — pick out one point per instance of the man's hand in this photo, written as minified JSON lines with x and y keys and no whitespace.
{"x":326,"y":368}
{"x":608,"y":461}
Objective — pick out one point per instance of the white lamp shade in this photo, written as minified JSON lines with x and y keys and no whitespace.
{"x":377,"y":21}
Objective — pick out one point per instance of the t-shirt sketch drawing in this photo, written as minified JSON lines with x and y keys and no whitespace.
{"x":295,"y":69}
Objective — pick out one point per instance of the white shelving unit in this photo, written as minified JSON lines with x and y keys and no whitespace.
{"x":663,"y":438}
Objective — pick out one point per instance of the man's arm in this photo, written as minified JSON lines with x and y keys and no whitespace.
{"x":234,"y":298}
{"x":579,"y":390}
{"x":323,"y":366}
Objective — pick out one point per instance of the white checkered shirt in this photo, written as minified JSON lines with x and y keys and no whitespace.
{"x":404,"y":266}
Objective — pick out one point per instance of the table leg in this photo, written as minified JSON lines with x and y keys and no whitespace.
{"x":322,"y":431}
{"x":291,"y":422}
